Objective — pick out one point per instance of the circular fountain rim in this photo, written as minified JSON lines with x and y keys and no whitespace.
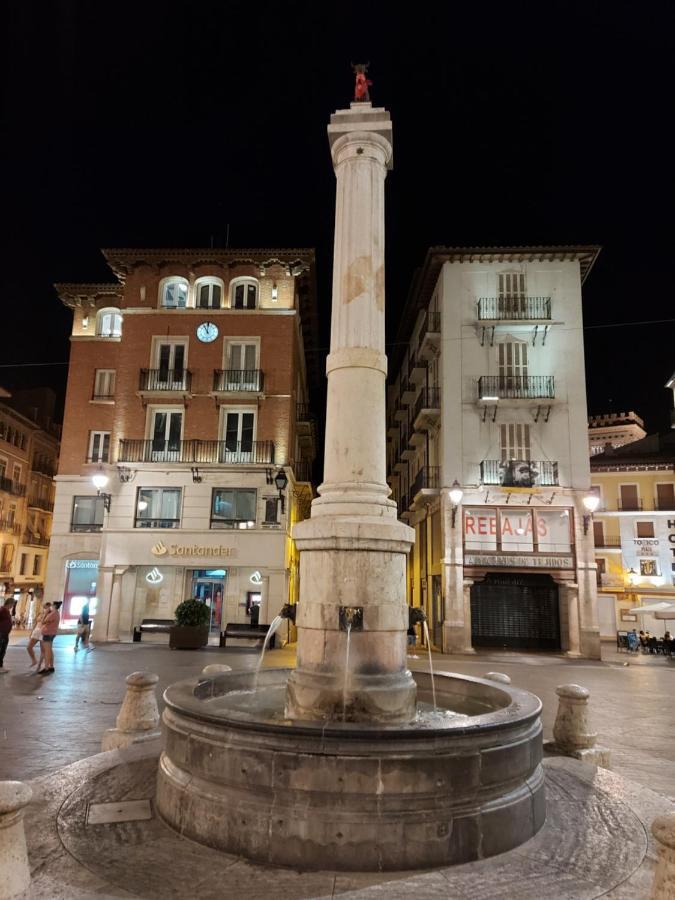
{"x":522,"y":707}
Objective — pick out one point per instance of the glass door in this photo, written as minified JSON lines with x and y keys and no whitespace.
{"x":166,"y":428}
{"x":242,"y":371}
{"x":210,"y":590}
{"x":171,"y":366}
{"x":238,"y":444}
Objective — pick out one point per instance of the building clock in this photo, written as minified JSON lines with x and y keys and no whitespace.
{"x":207,"y":332}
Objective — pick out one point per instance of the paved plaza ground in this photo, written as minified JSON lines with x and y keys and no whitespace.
{"x":49,"y":722}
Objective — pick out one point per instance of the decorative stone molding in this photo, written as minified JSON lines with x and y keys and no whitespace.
{"x":663,"y":829}
{"x":14,"y":869}
{"x":138,"y":718}
{"x":571,"y":732}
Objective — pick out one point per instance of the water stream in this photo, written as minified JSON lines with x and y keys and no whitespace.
{"x":276,"y":622}
{"x":431,"y":665}
{"x":346,"y":679}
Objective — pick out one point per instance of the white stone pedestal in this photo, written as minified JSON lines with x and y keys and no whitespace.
{"x":663,"y":829}
{"x":571,"y":732}
{"x":138,"y":719}
{"x":353,"y":550}
{"x":14,"y":870}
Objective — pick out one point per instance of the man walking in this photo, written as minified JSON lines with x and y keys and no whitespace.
{"x":5,"y":628}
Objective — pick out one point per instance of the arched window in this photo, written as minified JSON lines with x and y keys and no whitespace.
{"x":174,"y":293}
{"x":244,"y":293}
{"x":109,"y":323}
{"x":208,"y":293}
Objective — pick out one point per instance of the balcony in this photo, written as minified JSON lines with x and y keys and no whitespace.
{"x":408,"y":392}
{"x":196,"y":451}
{"x":417,"y":370}
{"x":40,"y":503}
{"x":12,"y":487}
{"x":238,"y":381}
{"x":302,"y":470}
{"x":519,"y":472}
{"x":165,"y":381}
{"x":392,"y":427}
{"x":430,"y":336}
{"x":608,"y":543}
{"x":428,"y":480}
{"x":43,"y":468}
{"x":665,"y":505}
{"x":34,"y":540}
{"x":7,"y":526}
{"x":514,"y":309}
{"x":629,"y":505}
{"x":492,"y":388}
{"x":427,"y":409}
{"x":401,"y":411}
{"x":407,"y":451}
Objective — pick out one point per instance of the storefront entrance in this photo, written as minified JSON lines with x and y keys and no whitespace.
{"x":208,"y":585}
{"x":516,"y":611}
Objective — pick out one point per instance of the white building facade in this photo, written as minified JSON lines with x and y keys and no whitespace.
{"x":490,"y":398}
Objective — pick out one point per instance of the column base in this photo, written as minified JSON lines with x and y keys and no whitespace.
{"x":316,"y":696}
{"x":455,"y":640}
{"x":573,"y":654}
{"x":589,"y":644}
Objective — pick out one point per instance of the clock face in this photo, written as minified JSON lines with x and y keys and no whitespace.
{"x":207,"y":332}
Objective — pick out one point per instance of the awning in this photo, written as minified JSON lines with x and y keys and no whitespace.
{"x":661,"y":606}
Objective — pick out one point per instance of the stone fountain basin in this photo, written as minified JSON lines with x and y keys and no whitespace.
{"x":237,"y":776}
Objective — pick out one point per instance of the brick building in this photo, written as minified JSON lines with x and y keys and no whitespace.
{"x":29,"y":450}
{"x":188,"y":388}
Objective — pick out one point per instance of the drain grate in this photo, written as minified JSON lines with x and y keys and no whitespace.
{"x":122,"y":811}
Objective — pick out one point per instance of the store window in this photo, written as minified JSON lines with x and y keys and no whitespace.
{"x":87,"y":514}
{"x":233,"y":508}
{"x":158,"y":508}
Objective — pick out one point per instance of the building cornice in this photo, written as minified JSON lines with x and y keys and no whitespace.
{"x":634,"y":466}
{"x":124,"y":259}
{"x":76,"y":295}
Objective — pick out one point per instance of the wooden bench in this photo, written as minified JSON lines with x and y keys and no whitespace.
{"x":246,"y":631}
{"x":153,"y":626}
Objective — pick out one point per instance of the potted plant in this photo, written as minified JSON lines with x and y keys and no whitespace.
{"x":191,"y":630}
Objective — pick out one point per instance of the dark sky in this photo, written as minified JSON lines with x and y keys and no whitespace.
{"x":160,"y":124}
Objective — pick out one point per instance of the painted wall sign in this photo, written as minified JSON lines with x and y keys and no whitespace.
{"x":521,"y":562}
{"x":160,"y":549}
{"x":82,"y":564}
{"x":256,"y":578}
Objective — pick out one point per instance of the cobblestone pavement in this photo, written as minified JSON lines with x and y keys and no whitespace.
{"x":48,"y":722}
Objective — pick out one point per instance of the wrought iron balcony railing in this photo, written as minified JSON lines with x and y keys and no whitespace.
{"x":43,"y":468}
{"x":428,"y":478}
{"x":429,"y":398}
{"x":516,"y":387}
{"x":514,"y":308}
{"x":629,"y":505}
{"x":40,"y":503}
{"x":236,"y":380}
{"x":519,"y":472}
{"x":12,"y":487}
{"x":196,"y":451}
{"x":302,"y":470}
{"x":7,"y":526}
{"x":179,"y":380}
{"x":34,"y":540}
{"x":607,"y":541}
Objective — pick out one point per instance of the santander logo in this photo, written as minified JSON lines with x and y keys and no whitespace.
{"x":159,"y":549}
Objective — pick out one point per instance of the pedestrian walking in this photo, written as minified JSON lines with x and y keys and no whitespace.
{"x":83,"y":629}
{"x":50,"y":627}
{"x":36,"y":638}
{"x":5,"y":628}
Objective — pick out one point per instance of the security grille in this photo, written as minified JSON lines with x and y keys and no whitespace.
{"x":515,"y":611}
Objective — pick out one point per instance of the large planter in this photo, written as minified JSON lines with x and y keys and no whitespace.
{"x":188,"y":637}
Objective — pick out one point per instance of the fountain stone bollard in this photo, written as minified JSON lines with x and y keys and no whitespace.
{"x":138,"y":718}
{"x":14,"y":869}
{"x":215,"y":669}
{"x":499,"y":677}
{"x":571,"y":732}
{"x":663,"y":829}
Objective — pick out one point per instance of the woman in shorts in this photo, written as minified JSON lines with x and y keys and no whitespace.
{"x":36,"y":637}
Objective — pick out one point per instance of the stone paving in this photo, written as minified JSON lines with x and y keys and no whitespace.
{"x":49,"y":722}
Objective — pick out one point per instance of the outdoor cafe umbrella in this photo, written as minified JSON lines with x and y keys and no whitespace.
{"x":662,"y":609}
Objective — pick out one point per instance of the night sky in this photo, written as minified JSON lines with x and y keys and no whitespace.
{"x":163,"y":124}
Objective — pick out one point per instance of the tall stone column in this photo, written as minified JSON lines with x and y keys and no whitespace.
{"x":572,"y":597}
{"x":353,"y":549}
{"x":587,"y":579}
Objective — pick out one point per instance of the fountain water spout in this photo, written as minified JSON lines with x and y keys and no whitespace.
{"x":288,"y":611}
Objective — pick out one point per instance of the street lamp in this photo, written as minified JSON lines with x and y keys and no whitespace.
{"x":100,"y":480}
{"x":281,"y":480}
{"x":456,"y":494}
{"x":591,"y":503}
